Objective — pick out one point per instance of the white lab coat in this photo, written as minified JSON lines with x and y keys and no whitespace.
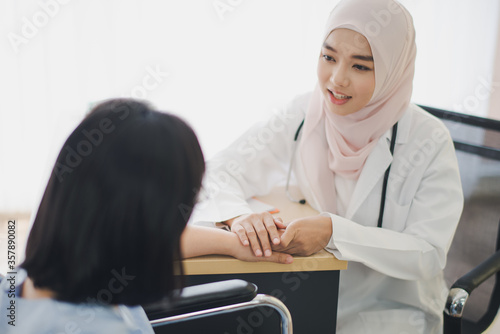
{"x":394,"y":281}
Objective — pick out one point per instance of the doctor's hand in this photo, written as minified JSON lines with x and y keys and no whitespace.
{"x":258,"y":230}
{"x":244,"y":253}
{"x":305,"y":236}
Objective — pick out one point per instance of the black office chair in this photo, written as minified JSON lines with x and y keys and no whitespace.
{"x":474,"y":257}
{"x":217,"y":299}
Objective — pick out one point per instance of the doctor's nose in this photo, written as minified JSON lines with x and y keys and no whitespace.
{"x":339,"y":77}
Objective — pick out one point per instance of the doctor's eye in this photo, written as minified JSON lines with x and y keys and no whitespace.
{"x":328,"y":58}
{"x":362,"y":68}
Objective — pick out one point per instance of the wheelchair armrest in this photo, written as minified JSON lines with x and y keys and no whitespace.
{"x":203,"y":296}
{"x":462,"y":288}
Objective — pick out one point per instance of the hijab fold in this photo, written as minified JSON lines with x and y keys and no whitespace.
{"x":334,"y":144}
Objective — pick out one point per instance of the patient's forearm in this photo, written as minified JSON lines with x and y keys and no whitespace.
{"x":198,"y":240}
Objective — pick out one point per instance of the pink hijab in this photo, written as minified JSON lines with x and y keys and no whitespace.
{"x":332,"y":143}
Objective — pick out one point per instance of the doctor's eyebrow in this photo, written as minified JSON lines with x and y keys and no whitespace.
{"x":360,"y":57}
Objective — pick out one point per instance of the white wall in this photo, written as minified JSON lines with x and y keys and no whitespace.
{"x":228,"y":62}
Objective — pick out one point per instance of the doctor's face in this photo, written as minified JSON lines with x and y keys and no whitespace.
{"x":346,"y":72}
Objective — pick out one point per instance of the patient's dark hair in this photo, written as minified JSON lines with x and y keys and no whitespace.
{"x":109,"y":224}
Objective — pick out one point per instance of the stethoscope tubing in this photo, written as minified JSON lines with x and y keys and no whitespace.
{"x":386,"y":176}
{"x":290,"y":167}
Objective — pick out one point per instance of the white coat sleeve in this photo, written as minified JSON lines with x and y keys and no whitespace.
{"x":418,"y":249}
{"x":252,"y":165}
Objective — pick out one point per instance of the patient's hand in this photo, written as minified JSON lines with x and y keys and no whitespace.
{"x":258,"y":230}
{"x":245,"y":253}
{"x":305,"y":236}
{"x":201,"y":240}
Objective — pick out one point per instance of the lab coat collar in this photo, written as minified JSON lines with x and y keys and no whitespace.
{"x":376,"y":164}
{"x":403,"y":127}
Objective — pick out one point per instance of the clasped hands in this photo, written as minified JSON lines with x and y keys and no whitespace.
{"x":265,"y":233}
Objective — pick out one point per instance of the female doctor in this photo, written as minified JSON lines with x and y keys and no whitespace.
{"x":393,"y":226}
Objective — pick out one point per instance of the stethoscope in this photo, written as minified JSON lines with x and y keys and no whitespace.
{"x":386,"y":175}
{"x":290,"y":167}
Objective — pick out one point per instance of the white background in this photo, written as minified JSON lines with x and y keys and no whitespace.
{"x":229,"y":64}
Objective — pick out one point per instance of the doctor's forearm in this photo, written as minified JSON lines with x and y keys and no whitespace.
{"x":392,"y":253}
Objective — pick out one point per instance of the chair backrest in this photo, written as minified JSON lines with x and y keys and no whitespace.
{"x":477,"y":143}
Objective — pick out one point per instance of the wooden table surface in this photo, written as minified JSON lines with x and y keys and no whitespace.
{"x":219,"y":264}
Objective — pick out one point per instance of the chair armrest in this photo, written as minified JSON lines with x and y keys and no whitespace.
{"x":203,"y":296}
{"x":463,"y":287}
{"x":258,"y":301}
{"x":479,"y":274}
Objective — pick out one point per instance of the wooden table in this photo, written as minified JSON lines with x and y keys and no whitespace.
{"x":308,"y":287}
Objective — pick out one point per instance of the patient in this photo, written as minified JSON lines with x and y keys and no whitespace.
{"x":107,"y":235}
